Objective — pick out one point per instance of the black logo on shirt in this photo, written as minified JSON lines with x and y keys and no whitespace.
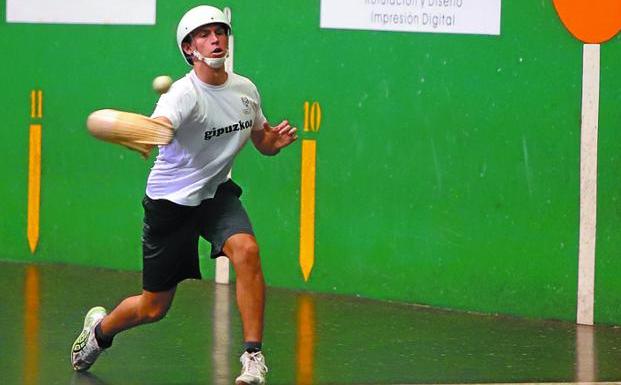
{"x":246,"y":104}
{"x":239,"y":126}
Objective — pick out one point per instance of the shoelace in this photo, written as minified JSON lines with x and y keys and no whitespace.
{"x":256,"y":363}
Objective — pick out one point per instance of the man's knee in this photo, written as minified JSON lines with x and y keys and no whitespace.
{"x":249,"y":250}
{"x":154,"y":309}
{"x":153,"y":313}
{"x":245,"y":254}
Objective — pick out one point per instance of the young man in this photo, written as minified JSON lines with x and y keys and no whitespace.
{"x":189,"y":194}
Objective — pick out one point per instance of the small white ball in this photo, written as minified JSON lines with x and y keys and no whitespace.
{"x":161,"y":84}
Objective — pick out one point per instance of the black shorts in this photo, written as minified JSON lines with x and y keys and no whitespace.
{"x":171,"y":231}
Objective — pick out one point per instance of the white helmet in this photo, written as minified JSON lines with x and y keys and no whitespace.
{"x":196,"y":17}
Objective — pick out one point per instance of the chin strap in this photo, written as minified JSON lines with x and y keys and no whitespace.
{"x":213,"y":62}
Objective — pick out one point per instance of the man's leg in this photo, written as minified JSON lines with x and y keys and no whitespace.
{"x":99,"y":328}
{"x":243,"y":252}
{"x":137,"y":310}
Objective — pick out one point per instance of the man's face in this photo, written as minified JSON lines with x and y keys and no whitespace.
{"x":210,"y":40}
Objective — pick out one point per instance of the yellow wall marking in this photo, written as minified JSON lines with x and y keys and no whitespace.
{"x":312,"y":123}
{"x":306,"y":113}
{"x":33,"y":104}
{"x":31,"y":326}
{"x":305,"y":349}
{"x":307,"y":207}
{"x":34,"y":186}
{"x":312,"y":116}
{"x":36,"y":104}
{"x":34,"y":170}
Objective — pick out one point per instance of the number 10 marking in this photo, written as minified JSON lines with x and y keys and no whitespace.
{"x":312,"y":117}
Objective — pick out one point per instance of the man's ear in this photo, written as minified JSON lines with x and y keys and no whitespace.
{"x":187,"y":47}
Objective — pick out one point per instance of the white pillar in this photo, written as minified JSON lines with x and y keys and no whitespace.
{"x":588,"y":183}
{"x":221,"y":336}
{"x":222,"y":263}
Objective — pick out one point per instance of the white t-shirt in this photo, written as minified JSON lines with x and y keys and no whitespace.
{"x":212,"y":124}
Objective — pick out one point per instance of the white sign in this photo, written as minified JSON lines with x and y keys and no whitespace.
{"x":441,"y":16}
{"x":81,"y":11}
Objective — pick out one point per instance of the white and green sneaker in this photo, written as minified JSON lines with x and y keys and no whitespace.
{"x":85,"y":349}
{"x":253,"y":369}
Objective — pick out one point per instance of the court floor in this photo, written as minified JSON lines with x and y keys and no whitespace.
{"x":309,"y":338}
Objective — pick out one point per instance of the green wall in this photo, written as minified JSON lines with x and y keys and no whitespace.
{"x":447,"y":165}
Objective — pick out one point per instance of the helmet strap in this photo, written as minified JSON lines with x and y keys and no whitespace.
{"x":213,"y":62}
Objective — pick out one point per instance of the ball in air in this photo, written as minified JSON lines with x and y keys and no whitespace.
{"x":161,"y":84}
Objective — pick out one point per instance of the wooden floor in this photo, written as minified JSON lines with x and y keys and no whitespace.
{"x":309,"y":339}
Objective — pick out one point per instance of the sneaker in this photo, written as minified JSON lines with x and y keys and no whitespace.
{"x":85,"y":349}
{"x":253,"y":369}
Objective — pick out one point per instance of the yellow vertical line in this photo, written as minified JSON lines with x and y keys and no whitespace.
{"x":39,"y":104}
{"x":312,"y":117}
{"x":31,"y":326}
{"x":34,"y":186}
{"x":305,"y":349}
{"x":316,"y":114}
{"x":307,"y":207}
{"x":33,"y":104}
{"x":306,"y":112}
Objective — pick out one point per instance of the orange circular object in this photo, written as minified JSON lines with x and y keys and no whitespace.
{"x":594,"y":21}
